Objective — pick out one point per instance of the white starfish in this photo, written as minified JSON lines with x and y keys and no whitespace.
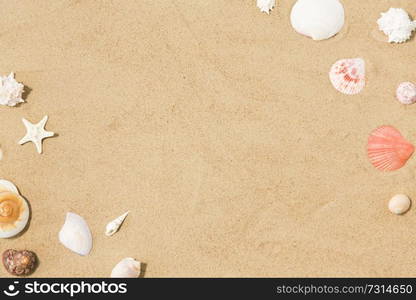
{"x":36,"y":133}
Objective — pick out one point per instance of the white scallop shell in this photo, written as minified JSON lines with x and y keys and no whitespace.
{"x":348,"y":75}
{"x":114,"y":225}
{"x":21,"y":223}
{"x":127,"y":268}
{"x":75,"y":234}
{"x":6,"y":185}
{"x":318,"y":19}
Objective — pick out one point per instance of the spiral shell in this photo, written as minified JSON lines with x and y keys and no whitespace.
{"x":114,"y":225}
{"x":14,"y":214}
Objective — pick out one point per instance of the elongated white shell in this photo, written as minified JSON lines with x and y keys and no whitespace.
{"x":7,"y":186}
{"x":318,"y":19}
{"x":127,"y":268}
{"x":114,"y":225}
{"x":75,"y":234}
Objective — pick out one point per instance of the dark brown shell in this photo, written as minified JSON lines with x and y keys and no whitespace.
{"x":19,"y":263}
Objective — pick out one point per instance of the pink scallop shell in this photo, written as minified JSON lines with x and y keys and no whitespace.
{"x":387,"y":149}
{"x":406,"y":93}
{"x":348,"y":75}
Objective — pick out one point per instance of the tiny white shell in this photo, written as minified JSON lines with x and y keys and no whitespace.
{"x":127,"y":268}
{"x":75,"y":234}
{"x":266,"y":5}
{"x":114,"y":225}
{"x":399,"y":204}
{"x":7,"y":186}
{"x":406,"y":93}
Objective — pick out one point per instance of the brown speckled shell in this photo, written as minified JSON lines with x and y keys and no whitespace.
{"x":19,"y":263}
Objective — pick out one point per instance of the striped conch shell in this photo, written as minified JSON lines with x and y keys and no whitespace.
{"x":114,"y":225}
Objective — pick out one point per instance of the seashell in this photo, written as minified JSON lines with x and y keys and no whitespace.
{"x":399,"y":204}
{"x":266,"y":5}
{"x":348,"y":75}
{"x":19,"y":263}
{"x":14,"y":214}
{"x":75,"y":234}
{"x":396,"y":24}
{"x":11,"y":91}
{"x":406,"y":93}
{"x":7,"y":186}
{"x":114,"y":225}
{"x":126,"y":268}
{"x":318,"y":19}
{"x":387,"y":149}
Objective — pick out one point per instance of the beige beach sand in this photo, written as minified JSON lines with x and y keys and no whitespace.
{"x":217,"y":127}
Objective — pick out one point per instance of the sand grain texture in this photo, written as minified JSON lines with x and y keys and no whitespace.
{"x":217,"y":127}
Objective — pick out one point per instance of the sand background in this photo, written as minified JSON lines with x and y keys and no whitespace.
{"x":217,"y":127}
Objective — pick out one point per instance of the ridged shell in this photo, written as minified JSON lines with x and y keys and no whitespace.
{"x":406,"y":93}
{"x":387,"y":149}
{"x":348,"y":75}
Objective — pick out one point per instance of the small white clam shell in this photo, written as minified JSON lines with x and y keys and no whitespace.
{"x":114,"y":225}
{"x":399,"y":204}
{"x":127,"y":268}
{"x":76,"y":235}
{"x":7,"y":186}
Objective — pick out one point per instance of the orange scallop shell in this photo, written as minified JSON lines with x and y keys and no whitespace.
{"x":387,"y":149}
